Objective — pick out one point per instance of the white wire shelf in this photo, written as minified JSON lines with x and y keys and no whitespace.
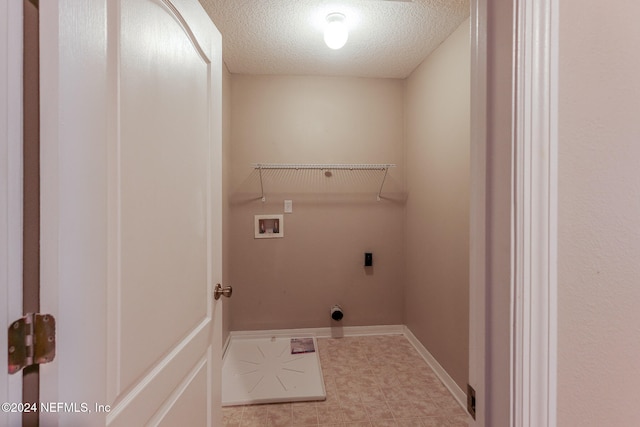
{"x":322,"y":166}
{"x":383,"y":167}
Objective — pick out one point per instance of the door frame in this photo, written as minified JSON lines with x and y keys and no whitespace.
{"x":513,"y":263}
{"x":10,"y":192}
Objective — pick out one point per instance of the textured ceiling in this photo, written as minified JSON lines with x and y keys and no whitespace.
{"x":386,"y":38}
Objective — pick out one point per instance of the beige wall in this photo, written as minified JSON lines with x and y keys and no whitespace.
{"x":293,"y":282}
{"x":599,"y":214}
{"x":437,"y":210}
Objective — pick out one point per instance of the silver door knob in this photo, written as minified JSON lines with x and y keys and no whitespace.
{"x":218,"y":291}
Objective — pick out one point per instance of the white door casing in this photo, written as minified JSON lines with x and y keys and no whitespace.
{"x":131,"y":211}
{"x":534,"y":342}
{"x":10,"y":193}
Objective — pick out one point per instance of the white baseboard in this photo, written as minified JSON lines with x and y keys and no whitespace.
{"x":353,"y":331}
{"x":448,"y":382}
{"x":335,"y":332}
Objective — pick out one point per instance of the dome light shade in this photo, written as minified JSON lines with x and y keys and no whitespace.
{"x":336,"y":32}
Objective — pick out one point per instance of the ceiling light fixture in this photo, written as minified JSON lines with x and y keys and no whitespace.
{"x":336,"y":32}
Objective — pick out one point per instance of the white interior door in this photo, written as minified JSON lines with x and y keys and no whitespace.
{"x":131,"y":217}
{"x":10,"y":194}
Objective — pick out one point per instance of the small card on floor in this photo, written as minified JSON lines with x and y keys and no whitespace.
{"x":302,"y":345}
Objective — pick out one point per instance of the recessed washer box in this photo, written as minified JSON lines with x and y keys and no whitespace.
{"x":268,"y":226}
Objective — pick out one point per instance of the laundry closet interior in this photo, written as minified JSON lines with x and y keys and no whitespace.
{"x":346,"y":174}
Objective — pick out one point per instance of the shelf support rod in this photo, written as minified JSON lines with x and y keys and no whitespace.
{"x":261,"y":185}
{"x":386,"y":169}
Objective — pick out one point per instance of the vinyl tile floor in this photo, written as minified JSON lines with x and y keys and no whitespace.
{"x":371,"y":381}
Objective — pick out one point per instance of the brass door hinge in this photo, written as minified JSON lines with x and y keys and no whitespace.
{"x":32,"y":340}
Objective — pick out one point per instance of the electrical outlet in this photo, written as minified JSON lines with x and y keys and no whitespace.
{"x":471,"y":401}
{"x":368,"y":259}
{"x":288,"y":206}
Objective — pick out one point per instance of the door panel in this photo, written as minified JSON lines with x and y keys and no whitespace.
{"x":155,"y":392}
{"x":163,"y":187}
{"x":186,"y":395}
{"x":131,"y":211}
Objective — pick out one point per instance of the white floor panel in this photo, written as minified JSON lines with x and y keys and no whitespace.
{"x":263,"y":370}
